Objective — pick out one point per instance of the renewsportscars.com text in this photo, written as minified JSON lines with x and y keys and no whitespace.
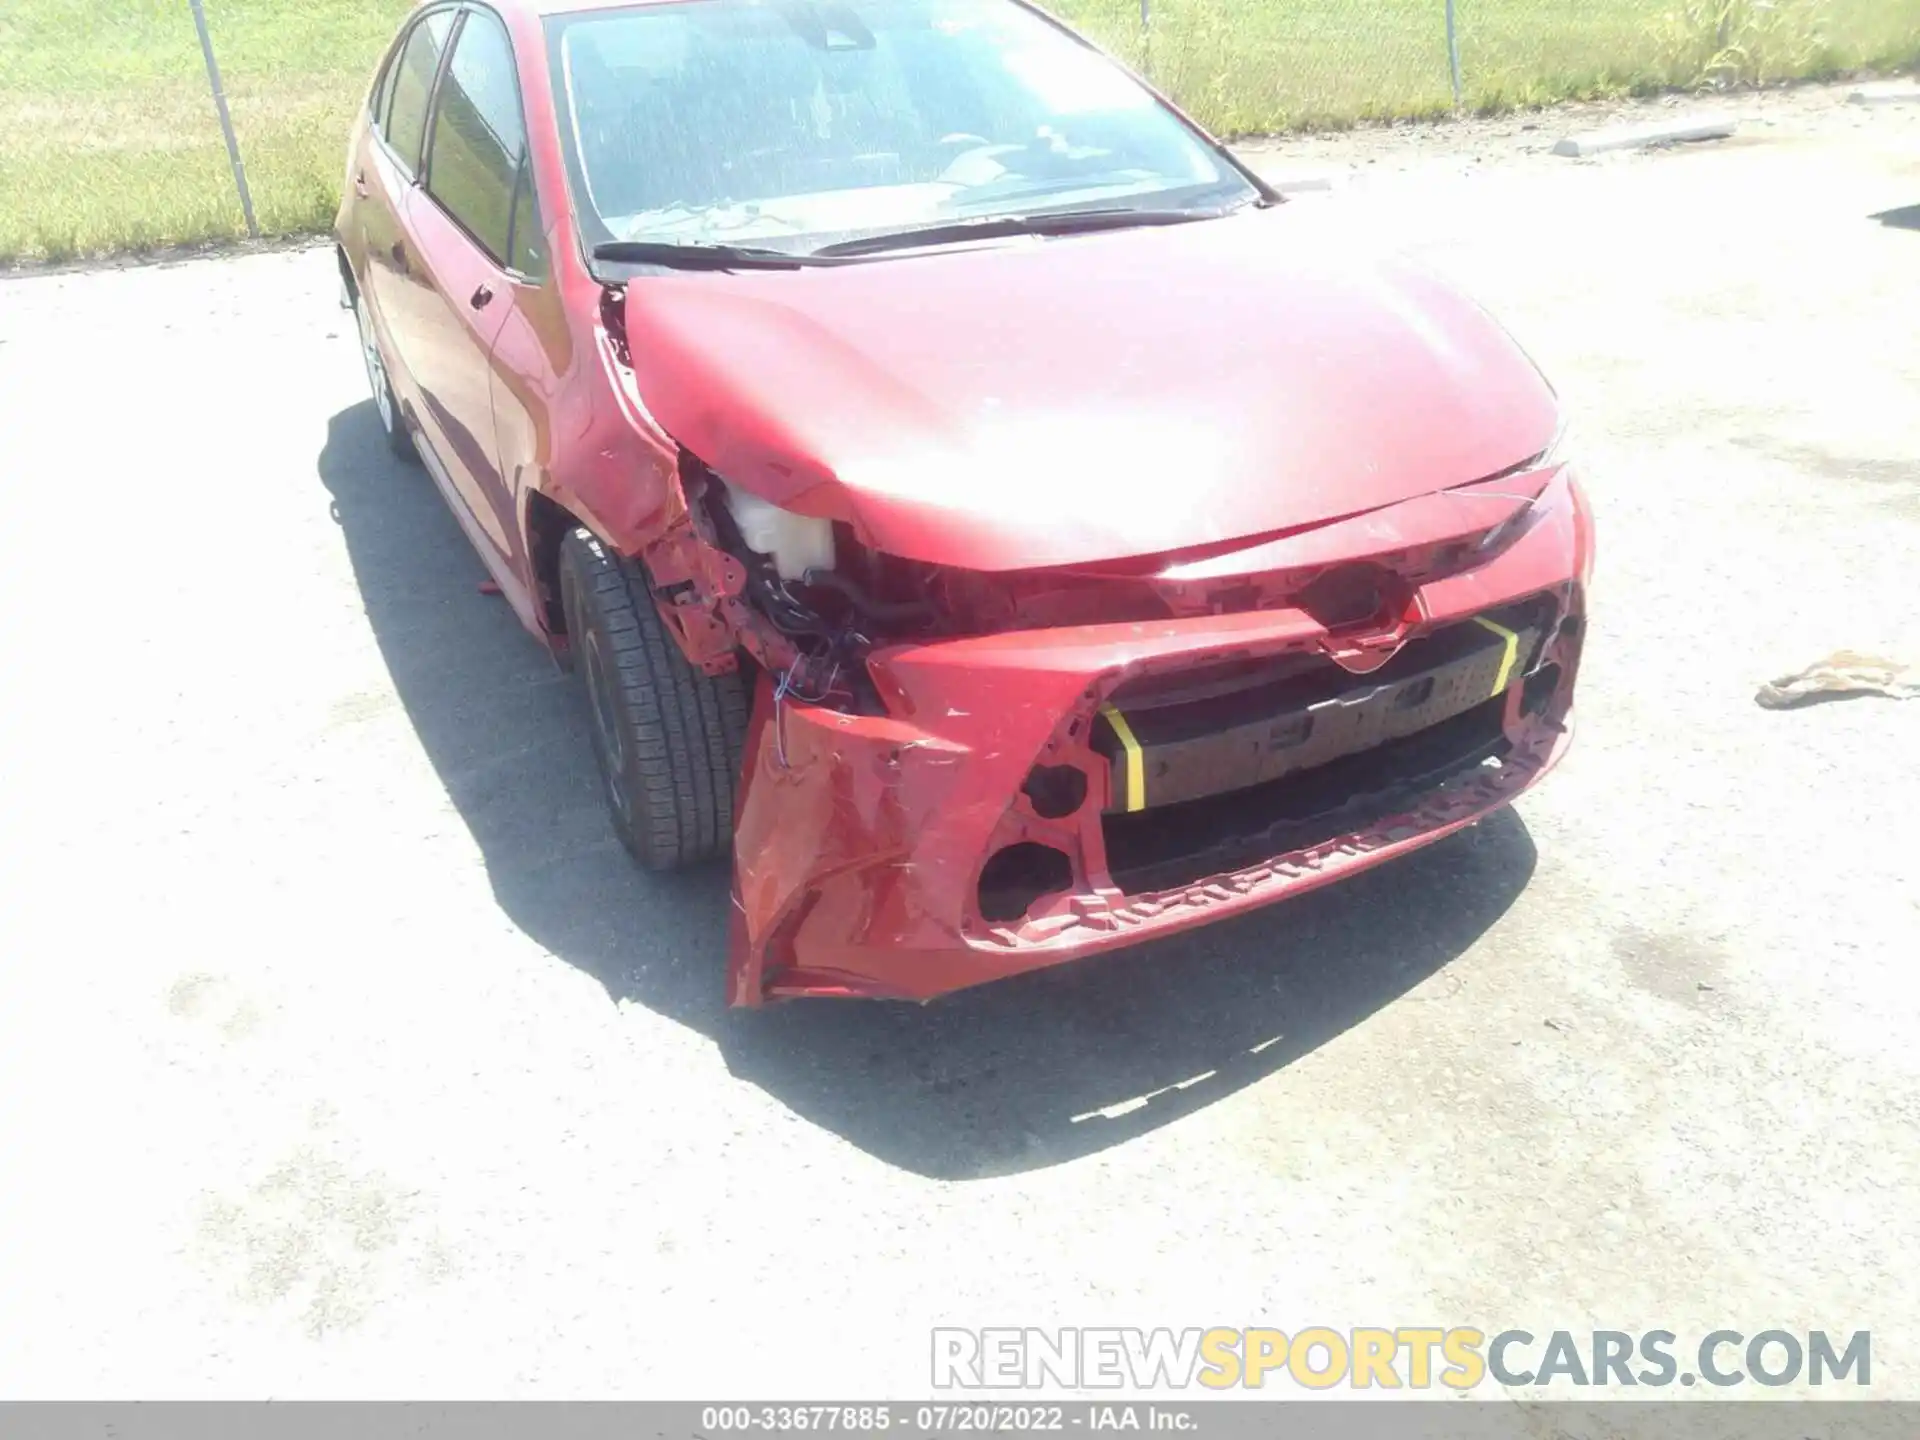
{"x":1392,"y":1358}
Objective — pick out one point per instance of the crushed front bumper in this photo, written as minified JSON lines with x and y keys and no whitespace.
{"x":1032,"y":797}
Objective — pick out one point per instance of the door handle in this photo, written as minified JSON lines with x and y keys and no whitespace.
{"x":481,"y":297}
{"x":360,"y":184}
{"x":399,"y":253}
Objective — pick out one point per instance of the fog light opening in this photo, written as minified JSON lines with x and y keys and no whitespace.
{"x":1056,"y":791}
{"x":1537,"y":693}
{"x":1014,"y":878}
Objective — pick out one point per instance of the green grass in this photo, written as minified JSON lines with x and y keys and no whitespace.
{"x":110,"y":137}
{"x":1253,"y":66}
{"x":110,"y":140}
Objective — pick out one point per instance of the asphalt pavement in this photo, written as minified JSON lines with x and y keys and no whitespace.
{"x":344,"y":1053}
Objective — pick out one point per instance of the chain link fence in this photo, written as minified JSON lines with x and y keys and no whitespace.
{"x":111,"y":137}
{"x":1250,"y":66}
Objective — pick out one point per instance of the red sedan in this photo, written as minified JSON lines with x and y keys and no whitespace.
{"x":968,"y":497}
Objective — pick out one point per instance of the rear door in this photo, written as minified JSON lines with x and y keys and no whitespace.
{"x":462,"y":218}
{"x":383,"y":180}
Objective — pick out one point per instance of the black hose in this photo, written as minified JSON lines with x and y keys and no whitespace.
{"x":787,"y":613}
{"x":873,"y":609}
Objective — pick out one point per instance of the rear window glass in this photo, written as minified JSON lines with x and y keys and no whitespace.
{"x":413,"y":84}
{"x":383,"y":91}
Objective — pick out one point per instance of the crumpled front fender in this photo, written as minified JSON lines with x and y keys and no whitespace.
{"x":891,"y":814}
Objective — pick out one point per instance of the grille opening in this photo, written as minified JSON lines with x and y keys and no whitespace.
{"x":1174,"y":845}
{"x":1224,"y":677}
{"x":1017,"y":876}
{"x":1056,"y":791}
{"x":1537,"y":693}
{"x":1205,"y":698}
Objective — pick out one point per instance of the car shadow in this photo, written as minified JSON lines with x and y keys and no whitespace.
{"x":1013,"y":1076}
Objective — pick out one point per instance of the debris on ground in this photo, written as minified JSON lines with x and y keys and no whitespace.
{"x":1891,"y":94}
{"x":1639,"y":137}
{"x":1842,"y":673}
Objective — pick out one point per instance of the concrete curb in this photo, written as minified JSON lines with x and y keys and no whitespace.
{"x":1885,"y":95}
{"x":1295,"y":182}
{"x":1634,"y":137}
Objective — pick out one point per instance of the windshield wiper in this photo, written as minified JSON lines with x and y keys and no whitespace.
{"x":695,"y":256}
{"x":987,"y":227}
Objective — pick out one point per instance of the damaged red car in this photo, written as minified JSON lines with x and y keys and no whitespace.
{"x":969,"y":498}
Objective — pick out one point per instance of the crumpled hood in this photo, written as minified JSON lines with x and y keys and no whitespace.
{"x":1094,"y":397}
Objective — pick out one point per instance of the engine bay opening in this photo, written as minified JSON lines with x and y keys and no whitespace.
{"x":809,"y":601}
{"x":826,"y":600}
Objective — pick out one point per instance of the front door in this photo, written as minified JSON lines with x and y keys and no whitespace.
{"x":452,"y":346}
{"x":461,"y":219}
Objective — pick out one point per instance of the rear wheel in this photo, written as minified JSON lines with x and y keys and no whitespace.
{"x":391,"y":421}
{"x":668,"y":737}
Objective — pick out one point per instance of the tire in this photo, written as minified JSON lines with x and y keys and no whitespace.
{"x":667,"y":737}
{"x":385,"y":405}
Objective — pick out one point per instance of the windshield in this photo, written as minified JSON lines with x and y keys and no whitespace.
{"x":789,"y":124}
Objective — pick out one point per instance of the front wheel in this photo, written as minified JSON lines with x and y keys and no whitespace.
{"x":668,"y":737}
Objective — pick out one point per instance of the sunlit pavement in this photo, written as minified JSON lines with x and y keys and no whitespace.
{"x":344,"y":1053}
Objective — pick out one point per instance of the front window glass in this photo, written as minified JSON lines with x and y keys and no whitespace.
{"x":479,"y":138}
{"x":793,"y":123}
{"x":529,"y":246}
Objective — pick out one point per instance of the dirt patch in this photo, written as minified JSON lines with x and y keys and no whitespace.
{"x":1671,"y":966}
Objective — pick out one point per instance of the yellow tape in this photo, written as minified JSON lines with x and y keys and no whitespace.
{"x":1136,"y":761}
{"x":1506,"y":660}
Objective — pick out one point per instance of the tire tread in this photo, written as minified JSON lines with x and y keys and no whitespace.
{"x":685,"y":729}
